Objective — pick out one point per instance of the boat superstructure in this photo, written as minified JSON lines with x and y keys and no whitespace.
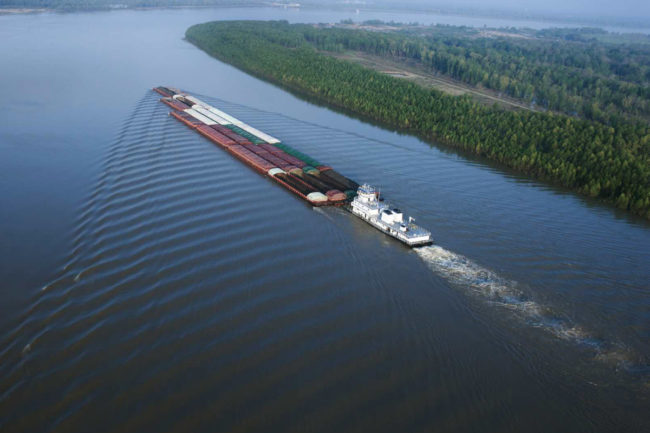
{"x":368,"y":206}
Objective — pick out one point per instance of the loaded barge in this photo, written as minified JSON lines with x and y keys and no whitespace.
{"x":316,"y":183}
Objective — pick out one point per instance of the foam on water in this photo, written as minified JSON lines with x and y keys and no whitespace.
{"x":486,"y":285}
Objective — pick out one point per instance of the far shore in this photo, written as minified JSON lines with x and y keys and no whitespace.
{"x":108,"y":8}
{"x":13,"y":11}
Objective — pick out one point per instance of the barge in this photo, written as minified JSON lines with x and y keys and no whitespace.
{"x":314,"y":182}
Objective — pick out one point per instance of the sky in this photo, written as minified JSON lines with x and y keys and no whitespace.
{"x":602,"y":8}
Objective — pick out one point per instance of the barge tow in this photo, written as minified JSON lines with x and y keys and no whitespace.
{"x":316,"y":183}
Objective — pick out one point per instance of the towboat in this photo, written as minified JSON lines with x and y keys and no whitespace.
{"x":370,"y":207}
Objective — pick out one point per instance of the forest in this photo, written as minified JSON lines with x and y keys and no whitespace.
{"x":570,"y":71}
{"x":610,"y":161}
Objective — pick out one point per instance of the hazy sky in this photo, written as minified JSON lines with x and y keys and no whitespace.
{"x":604,"y":8}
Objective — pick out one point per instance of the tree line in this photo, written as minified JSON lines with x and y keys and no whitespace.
{"x":559,"y":71}
{"x":610,"y":161}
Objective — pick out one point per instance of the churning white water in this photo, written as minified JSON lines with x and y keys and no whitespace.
{"x":482,"y":283}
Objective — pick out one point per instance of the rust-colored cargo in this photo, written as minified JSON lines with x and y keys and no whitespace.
{"x":230,"y":134}
{"x":283,"y":155}
{"x":250,"y":158}
{"x":186,"y":119}
{"x":174,"y":104}
{"x":277,"y":162}
{"x":215,"y":136}
{"x":335,"y":195}
{"x":289,"y":168}
{"x":163,"y":91}
{"x":225,"y":139}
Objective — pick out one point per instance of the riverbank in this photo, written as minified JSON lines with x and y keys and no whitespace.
{"x":64,"y":6}
{"x":206,"y":290}
{"x":597,"y":160}
{"x":17,"y":11}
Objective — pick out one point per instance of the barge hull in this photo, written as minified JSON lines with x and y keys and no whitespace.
{"x":316,"y":183}
{"x":260,"y":151}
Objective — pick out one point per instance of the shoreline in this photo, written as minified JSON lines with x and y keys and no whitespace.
{"x":21,"y":11}
{"x":542,"y":166}
{"x":616,"y":26}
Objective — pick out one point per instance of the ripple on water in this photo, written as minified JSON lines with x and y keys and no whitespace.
{"x":181,"y":278}
{"x":176,"y":256}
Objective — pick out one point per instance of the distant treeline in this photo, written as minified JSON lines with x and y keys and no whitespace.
{"x":566,"y":70}
{"x":611,"y":161}
{"x":116,"y":4}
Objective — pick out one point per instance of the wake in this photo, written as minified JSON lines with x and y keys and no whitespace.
{"x":484,"y":284}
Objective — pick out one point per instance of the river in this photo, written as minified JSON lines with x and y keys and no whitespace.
{"x":150,"y":282}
